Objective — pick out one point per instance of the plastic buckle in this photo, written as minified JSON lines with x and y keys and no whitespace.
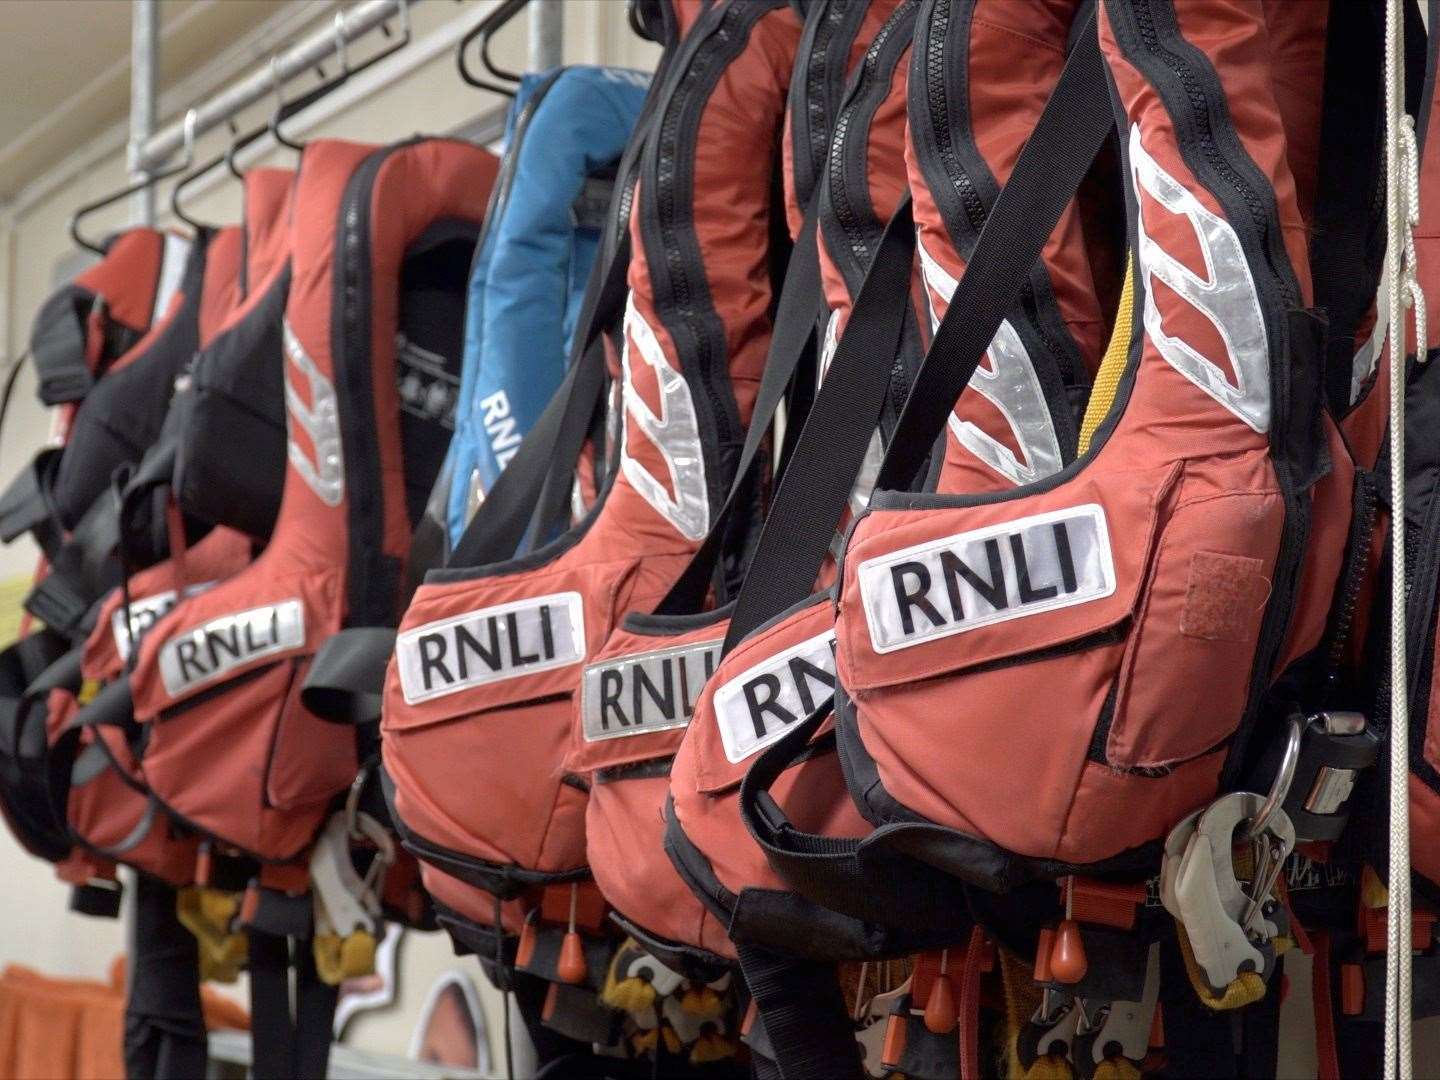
{"x":1107,"y":1030}
{"x":1050,"y":1032}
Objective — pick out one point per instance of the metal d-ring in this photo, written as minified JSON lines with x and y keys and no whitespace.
{"x":1280,"y":789}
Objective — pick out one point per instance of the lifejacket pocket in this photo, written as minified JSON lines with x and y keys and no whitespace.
{"x":1133,"y":597}
{"x":1183,"y":684}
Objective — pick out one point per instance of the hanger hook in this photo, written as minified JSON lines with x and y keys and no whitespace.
{"x":342,"y":51}
{"x":192,"y":120}
{"x":278,"y":84}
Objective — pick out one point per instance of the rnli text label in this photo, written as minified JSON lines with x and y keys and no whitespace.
{"x":145,"y":612}
{"x":494,"y":643}
{"x":990,"y":575}
{"x":757,"y":707}
{"x":654,"y":691}
{"x":216,"y":648}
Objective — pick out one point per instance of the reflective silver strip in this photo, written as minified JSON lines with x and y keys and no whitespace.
{"x":959,"y":583}
{"x":645,"y":692}
{"x":1008,"y":381}
{"x":320,"y":420}
{"x":489,"y":645}
{"x":675,"y":433}
{"x":214,"y":649}
{"x":1225,"y":295}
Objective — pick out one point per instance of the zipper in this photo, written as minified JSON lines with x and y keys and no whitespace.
{"x":1357,"y":553}
{"x":937,"y":110}
{"x":808,"y":114}
{"x":847,"y":193}
{"x":673,"y":255}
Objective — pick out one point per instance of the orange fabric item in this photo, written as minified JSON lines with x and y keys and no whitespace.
{"x":53,"y":1027}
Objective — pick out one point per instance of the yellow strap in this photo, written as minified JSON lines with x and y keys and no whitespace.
{"x":1049,"y":1067}
{"x":1117,"y":1068}
{"x":1245,"y":990}
{"x":338,"y":959}
{"x":207,"y":914}
{"x":1112,"y":365}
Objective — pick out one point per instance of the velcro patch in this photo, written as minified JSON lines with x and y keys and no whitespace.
{"x":495,"y":643}
{"x":1221,"y":596}
{"x":757,"y":707}
{"x":644,"y":692}
{"x":214,"y":649}
{"x":1001,"y":572}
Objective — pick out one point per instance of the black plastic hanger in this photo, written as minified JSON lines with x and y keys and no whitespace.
{"x":149,"y":181}
{"x":485,"y":29}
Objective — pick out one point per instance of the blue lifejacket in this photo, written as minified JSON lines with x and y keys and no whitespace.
{"x":565,"y":131}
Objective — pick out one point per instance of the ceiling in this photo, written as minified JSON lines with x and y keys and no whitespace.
{"x":65,"y":71}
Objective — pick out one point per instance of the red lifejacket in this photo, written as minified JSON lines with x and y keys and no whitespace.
{"x":218,"y":678}
{"x":696,"y":327}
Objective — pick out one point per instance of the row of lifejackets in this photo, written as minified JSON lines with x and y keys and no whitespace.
{"x":938,"y":626}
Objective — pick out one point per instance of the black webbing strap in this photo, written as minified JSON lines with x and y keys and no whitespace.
{"x":1199,"y":1041}
{"x":817,"y":484}
{"x":880,"y":886}
{"x":283,"y":1045}
{"x":1047,"y":174}
{"x":25,"y":505}
{"x":81,"y":571}
{"x":836,"y":433}
{"x":112,"y":706}
{"x":164,"y":1022}
{"x":346,"y":680}
{"x":800,"y":1001}
{"x":802,"y":302}
{"x":1347,"y":248}
{"x":272,"y":1029}
{"x":549,"y":451}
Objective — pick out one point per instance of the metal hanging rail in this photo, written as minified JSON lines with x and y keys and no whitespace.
{"x":259,"y":84}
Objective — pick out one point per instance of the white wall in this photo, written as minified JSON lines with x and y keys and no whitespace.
{"x":36,"y":929}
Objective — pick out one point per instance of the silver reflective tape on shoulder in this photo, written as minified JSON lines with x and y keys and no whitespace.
{"x":173,"y":257}
{"x":675,"y":433}
{"x":756,"y":707}
{"x":213,"y":649}
{"x":1225,"y":296}
{"x":320,"y":420}
{"x":1008,"y":381}
{"x":489,"y":645}
{"x":645,"y":692}
{"x":145,"y":612}
{"x":972,"y":579}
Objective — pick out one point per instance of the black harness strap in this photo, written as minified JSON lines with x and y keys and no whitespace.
{"x":285,"y":1045}
{"x":792,"y":342}
{"x":817,"y":484}
{"x":799,"y":1000}
{"x":164,"y":1022}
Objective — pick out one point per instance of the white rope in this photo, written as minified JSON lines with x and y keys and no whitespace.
{"x":1402,"y":204}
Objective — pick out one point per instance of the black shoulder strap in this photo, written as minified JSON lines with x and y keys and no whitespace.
{"x":793,"y":340}
{"x":817,"y":484}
